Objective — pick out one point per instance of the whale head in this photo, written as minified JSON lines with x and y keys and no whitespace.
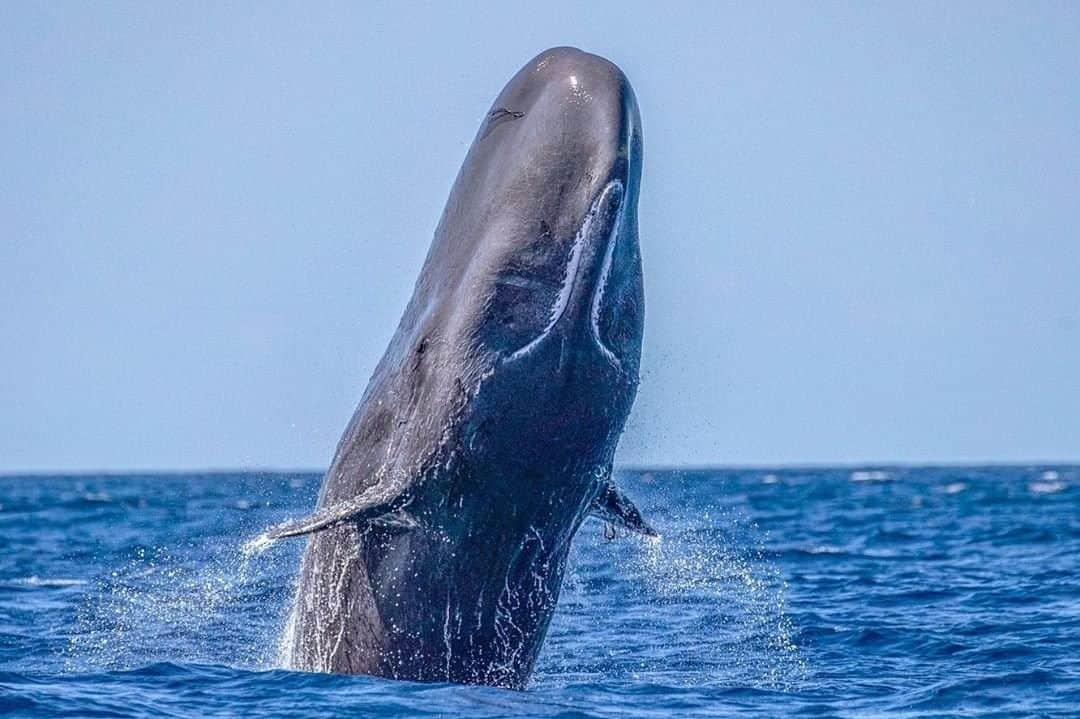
{"x":539,"y":240}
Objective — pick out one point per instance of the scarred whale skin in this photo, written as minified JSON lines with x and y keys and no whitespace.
{"x":486,"y":434}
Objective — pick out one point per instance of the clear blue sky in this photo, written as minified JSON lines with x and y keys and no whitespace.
{"x":860,"y":223}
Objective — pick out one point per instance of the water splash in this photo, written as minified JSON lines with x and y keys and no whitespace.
{"x":165,"y":606}
{"x":719,"y":567}
{"x":256,"y":546}
{"x":709,"y":576}
{"x":722,"y":597}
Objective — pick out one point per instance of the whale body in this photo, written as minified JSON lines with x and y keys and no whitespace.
{"x":486,"y":435}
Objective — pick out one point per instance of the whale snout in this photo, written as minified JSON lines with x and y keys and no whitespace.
{"x":567,"y":99}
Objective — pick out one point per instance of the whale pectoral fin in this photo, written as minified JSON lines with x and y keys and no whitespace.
{"x":375,"y":504}
{"x":615,"y":508}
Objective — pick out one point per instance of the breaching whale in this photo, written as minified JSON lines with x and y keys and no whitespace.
{"x":486,"y":434}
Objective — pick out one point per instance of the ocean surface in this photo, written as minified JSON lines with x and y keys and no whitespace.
{"x":853,"y":592}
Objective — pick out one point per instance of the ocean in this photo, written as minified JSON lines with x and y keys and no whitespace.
{"x":848,"y":592}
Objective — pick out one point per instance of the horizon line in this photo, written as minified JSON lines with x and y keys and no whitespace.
{"x":630,"y":467}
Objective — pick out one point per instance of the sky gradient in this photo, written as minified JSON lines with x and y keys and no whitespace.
{"x":859,"y":223}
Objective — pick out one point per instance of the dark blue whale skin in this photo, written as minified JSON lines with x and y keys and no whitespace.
{"x":486,"y":434}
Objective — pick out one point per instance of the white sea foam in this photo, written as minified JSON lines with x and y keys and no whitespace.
{"x":870,"y":475}
{"x":36,"y":581}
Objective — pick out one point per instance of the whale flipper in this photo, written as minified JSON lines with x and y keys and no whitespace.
{"x":614,"y":507}
{"x":377,"y":504}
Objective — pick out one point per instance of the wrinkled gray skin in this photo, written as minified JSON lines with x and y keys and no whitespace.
{"x":486,"y":434}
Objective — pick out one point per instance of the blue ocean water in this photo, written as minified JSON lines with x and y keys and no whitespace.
{"x":901,"y":592}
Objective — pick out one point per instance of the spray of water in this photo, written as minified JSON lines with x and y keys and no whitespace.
{"x":703,"y":603}
{"x":162,"y":606}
